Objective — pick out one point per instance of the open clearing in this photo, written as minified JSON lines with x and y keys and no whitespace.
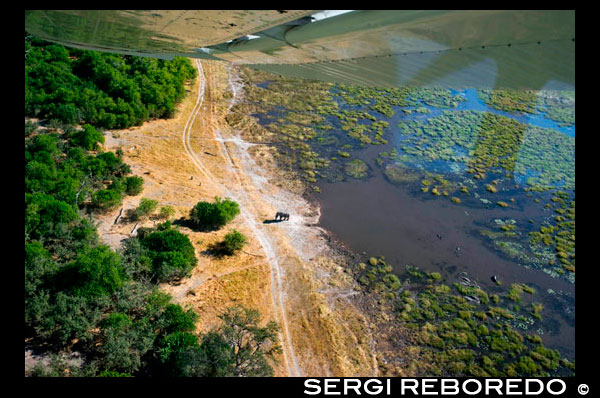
{"x":286,"y":271}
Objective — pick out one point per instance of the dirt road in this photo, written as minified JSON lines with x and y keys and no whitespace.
{"x":250,"y":217}
{"x":285,"y":271}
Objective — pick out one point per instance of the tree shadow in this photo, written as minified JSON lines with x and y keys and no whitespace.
{"x":188,"y":223}
{"x":216,"y":250}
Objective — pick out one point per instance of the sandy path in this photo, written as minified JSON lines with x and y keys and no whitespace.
{"x":286,"y":272}
{"x":248,"y":214}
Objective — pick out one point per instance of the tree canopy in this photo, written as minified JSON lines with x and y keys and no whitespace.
{"x":102,"y":89}
{"x":80,"y":295}
{"x":207,"y":215}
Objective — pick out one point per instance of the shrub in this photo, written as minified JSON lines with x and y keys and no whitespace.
{"x":233,"y":242}
{"x":169,"y":266}
{"x":112,"y":373}
{"x":145,"y":207}
{"x":106,"y":199}
{"x":166,"y":212}
{"x":171,"y":252}
{"x":134,"y":185}
{"x":175,"y":319}
{"x":174,"y":351}
{"x":45,"y":216}
{"x":214,"y":215}
{"x":87,"y":138}
{"x":95,"y":272}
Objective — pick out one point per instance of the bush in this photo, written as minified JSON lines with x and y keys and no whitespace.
{"x":46,"y":216}
{"x":175,"y":319}
{"x":106,"y":199}
{"x":145,"y":207}
{"x":134,"y":185}
{"x":173,"y":353}
{"x":233,"y":242}
{"x":95,"y":272}
{"x":169,"y":266}
{"x":171,"y":253}
{"x":38,"y":263}
{"x":87,"y":138}
{"x":124,"y":343}
{"x":214,"y":215}
{"x":166,"y":212}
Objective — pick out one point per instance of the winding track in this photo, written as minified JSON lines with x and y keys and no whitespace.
{"x":276,"y":283}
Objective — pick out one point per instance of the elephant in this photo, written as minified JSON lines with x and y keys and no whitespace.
{"x":282,"y":216}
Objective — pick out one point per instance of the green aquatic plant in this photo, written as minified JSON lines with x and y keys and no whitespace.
{"x":438,"y":97}
{"x":496,"y":312}
{"x":549,"y":154}
{"x":356,"y":168}
{"x":558,"y":106}
{"x":510,"y":100}
{"x":398,"y":174}
{"x":536,"y":309}
{"x":498,"y":143}
{"x":491,"y":188}
{"x":516,"y":289}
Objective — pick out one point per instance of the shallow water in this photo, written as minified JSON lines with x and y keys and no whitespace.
{"x":376,"y":217}
{"x":398,"y":221}
{"x":534,"y":119}
{"x":379,"y":218}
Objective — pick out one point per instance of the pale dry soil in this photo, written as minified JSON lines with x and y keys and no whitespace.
{"x":286,"y":271}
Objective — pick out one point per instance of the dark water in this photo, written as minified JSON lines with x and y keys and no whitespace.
{"x":378,"y":218}
{"x":382,"y":219}
{"x":401,"y":223}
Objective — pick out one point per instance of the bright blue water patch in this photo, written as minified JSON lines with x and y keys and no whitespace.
{"x":536,"y":119}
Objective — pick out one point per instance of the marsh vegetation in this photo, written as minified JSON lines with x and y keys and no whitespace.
{"x":459,"y":328}
{"x":505,"y":157}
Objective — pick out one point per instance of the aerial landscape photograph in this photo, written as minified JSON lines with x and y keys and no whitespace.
{"x":299,"y":193}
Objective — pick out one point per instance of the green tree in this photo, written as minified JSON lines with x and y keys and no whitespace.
{"x":175,"y":319}
{"x":124,"y":343}
{"x":171,"y":252}
{"x":112,"y":373}
{"x":96,"y":271}
{"x":214,"y":215}
{"x":170,"y":266}
{"x":106,"y":199}
{"x":46,"y":216}
{"x":101,"y":89}
{"x":39,"y":267}
{"x":88,"y":138}
{"x":238,"y":348}
{"x":174,"y":351}
{"x":62,"y":317}
{"x":214,"y":358}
